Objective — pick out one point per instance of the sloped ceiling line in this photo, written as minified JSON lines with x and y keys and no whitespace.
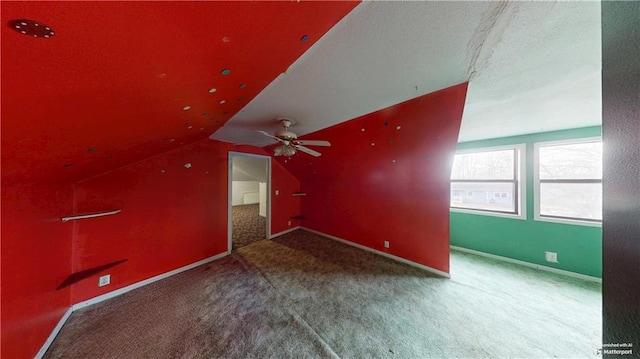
{"x":379,"y":55}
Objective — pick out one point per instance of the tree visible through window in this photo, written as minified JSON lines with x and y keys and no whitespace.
{"x":486,"y":180}
{"x":569,"y":182}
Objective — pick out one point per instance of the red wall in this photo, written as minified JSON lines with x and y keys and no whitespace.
{"x":36,"y":258}
{"x":357,"y":192}
{"x":171,"y":216}
{"x":169,"y":219}
{"x":285,"y":205}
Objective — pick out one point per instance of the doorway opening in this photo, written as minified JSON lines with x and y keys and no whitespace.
{"x":249,"y":207}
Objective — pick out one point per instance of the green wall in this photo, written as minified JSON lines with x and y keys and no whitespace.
{"x":579,"y":248}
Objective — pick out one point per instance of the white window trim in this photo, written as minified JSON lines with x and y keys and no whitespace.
{"x":522,"y":182}
{"x":536,"y":181}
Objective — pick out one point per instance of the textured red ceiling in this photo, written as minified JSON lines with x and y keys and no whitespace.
{"x":110,"y":87}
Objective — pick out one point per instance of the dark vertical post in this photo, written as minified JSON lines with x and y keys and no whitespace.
{"x":621,"y":134}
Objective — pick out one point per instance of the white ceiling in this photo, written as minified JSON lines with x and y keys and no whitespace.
{"x":531,"y":67}
{"x":249,"y":169}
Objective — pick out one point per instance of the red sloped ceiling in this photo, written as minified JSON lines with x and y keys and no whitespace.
{"x":386,"y":178}
{"x":109,"y":88}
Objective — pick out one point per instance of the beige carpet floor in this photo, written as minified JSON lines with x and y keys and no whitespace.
{"x":248,"y":225}
{"x":304,"y":296}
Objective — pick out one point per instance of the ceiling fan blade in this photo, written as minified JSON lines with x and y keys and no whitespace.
{"x":268,"y":135}
{"x":313,"y":143}
{"x":308,"y":151}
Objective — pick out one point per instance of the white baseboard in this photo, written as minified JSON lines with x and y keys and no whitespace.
{"x":284,"y":232}
{"x":137,"y":285}
{"x":530,"y":265}
{"x":116,"y":293}
{"x":390,"y":256}
{"x":53,"y":334}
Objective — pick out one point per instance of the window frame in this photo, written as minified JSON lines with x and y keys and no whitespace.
{"x":520,"y":183}
{"x":536,"y":182}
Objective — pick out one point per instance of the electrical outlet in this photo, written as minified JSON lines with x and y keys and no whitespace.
{"x":289,"y":223}
{"x":551,"y":257}
{"x":104,"y":280}
{"x":386,"y":244}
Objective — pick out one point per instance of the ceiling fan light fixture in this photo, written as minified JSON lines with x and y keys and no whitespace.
{"x":289,"y":143}
{"x":284,"y":150}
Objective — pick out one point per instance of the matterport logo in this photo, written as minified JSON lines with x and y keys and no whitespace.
{"x":616,"y":349}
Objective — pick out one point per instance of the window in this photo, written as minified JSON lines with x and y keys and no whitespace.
{"x":568,"y":181}
{"x":489,"y":181}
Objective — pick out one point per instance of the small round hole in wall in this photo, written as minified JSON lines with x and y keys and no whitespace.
{"x":386,"y":123}
{"x":398,"y":127}
{"x":362,"y":130}
{"x":241,"y":99}
{"x":189,"y":126}
{"x":31,"y":28}
{"x":222,"y":102}
{"x":243,"y":86}
{"x":373,"y":143}
{"x":205,"y":114}
{"x":212,"y":90}
{"x":92,"y":150}
{"x":225,"y":71}
{"x":226,"y":39}
{"x":304,"y":38}
{"x":186,"y":108}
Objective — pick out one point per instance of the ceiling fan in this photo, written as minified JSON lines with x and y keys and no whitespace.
{"x":290,"y":143}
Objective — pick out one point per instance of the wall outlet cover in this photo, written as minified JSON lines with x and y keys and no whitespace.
{"x":551,"y":257}
{"x":104,"y":280}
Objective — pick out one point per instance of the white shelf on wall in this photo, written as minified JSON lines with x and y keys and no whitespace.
{"x":89,"y":215}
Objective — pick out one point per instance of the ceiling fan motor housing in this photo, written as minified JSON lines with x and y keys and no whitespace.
{"x":286,"y":135}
